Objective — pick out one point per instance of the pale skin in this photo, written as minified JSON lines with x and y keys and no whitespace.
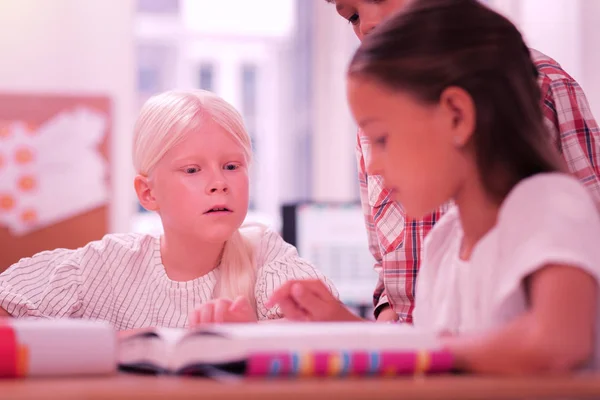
{"x":400,"y":129}
{"x":206,"y":170}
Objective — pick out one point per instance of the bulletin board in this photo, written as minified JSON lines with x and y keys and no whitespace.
{"x":54,"y":172}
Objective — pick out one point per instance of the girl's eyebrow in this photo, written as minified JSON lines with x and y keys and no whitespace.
{"x":234,"y":155}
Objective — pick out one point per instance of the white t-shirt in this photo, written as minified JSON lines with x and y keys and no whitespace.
{"x":545,"y":219}
{"x":121,"y":279}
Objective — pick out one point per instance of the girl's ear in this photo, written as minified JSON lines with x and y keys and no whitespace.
{"x":144,"y":193}
{"x":460,"y":115}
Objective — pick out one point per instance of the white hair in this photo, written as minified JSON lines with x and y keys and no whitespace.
{"x":164,"y":121}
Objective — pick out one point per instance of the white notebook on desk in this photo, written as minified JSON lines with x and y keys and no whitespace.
{"x":56,"y":347}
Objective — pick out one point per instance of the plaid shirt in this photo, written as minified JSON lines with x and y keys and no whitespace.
{"x":396,"y":240}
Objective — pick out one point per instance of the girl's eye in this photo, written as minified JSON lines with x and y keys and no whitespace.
{"x":381,"y":141}
{"x":191,"y":170}
{"x":353,"y":19}
{"x":231,"y":167}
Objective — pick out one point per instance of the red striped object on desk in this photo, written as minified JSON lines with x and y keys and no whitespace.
{"x":348,"y":363}
{"x":13,"y":357}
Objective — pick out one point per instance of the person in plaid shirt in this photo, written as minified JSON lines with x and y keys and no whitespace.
{"x":396,"y":240}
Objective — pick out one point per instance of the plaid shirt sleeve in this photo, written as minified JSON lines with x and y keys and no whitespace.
{"x":395,"y":240}
{"x":573,"y":128}
{"x":380,"y":300}
{"x":571,"y":123}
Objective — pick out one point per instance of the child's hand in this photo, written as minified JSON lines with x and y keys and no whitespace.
{"x":309,"y":300}
{"x":223,"y":310}
{"x":387,"y":315}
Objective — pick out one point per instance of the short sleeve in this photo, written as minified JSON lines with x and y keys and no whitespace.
{"x":279,"y":262}
{"x":547,"y":219}
{"x":46,"y":285}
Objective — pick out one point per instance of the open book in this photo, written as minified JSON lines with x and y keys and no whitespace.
{"x":284,"y":349}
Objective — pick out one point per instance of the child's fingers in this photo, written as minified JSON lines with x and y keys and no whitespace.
{"x":240,"y":304}
{"x":315,"y":303}
{"x":306,"y":298}
{"x":193,"y":318}
{"x":292,"y":311}
{"x":282,"y":293}
{"x":221,"y":310}
{"x":318,"y":288}
{"x":206,"y":313}
{"x":310,"y":296}
{"x":284,"y":290}
{"x":318,"y":302}
{"x":242,"y":311}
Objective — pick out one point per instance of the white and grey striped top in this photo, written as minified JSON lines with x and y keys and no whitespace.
{"x":121,"y":279}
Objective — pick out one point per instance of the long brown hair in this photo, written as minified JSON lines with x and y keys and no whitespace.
{"x":433,"y":44}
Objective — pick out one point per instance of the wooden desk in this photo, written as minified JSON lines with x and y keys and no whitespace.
{"x":444,"y":387}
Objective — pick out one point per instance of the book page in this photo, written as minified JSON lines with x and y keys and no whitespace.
{"x":148,"y":348}
{"x":326,"y":336}
{"x":204,"y":346}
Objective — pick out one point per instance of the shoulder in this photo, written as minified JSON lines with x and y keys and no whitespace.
{"x":110,"y":247}
{"x":125,"y":251}
{"x":108,"y":242}
{"x":549,"y":218}
{"x":277,"y":258}
{"x":270,"y":246}
{"x":548,"y":68}
{"x":555,"y":195}
{"x":122,"y":242}
{"x":277,"y":263}
{"x":50,"y":259}
{"x":560,"y":91}
{"x":74,"y":261}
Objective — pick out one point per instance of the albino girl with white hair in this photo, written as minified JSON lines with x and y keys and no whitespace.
{"x":191,"y":153}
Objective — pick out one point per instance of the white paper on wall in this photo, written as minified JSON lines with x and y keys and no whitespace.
{"x":51,"y":173}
